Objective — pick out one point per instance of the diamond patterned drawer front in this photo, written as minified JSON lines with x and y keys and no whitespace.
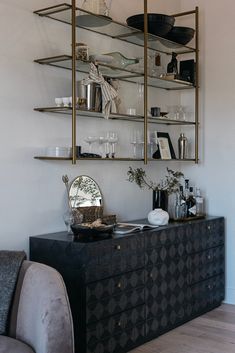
{"x":118,"y":256}
{"x":112,"y":305}
{"x":121,"y":342}
{"x":206,"y":264}
{"x":126,"y":290}
{"x":207,"y":294}
{"x":109,"y":287}
{"x":115,"y":325}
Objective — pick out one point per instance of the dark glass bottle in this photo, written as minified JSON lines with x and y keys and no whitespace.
{"x":172,"y":67}
{"x":191,"y":204}
{"x":182,"y":202}
{"x":186,"y":189}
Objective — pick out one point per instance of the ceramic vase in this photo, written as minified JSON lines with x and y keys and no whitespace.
{"x":158,"y":217}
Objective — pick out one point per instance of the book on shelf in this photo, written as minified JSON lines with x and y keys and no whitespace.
{"x":125,"y":228}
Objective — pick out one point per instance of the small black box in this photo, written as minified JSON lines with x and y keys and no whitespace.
{"x":187,"y":71}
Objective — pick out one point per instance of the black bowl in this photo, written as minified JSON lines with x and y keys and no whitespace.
{"x":181,"y":35}
{"x":103,"y":231}
{"x":158,"y":24}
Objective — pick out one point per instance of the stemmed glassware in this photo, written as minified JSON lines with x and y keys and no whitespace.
{"x":112,"y":138}
{"x":104,"y":148}
{"x":90,"y":140}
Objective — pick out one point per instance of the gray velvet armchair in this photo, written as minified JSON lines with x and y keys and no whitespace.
{"x":41,"y":320}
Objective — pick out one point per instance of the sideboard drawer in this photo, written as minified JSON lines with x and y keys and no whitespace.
{"x":114,"y":325}
{"x":207,"y":294}
{"x":119,"y":256}
{"x":165,"y":237}
{"x":165,"y":254}
{"x":109,"y":306}
{"x":122,"y":342}
{"x":206,"y":264}
{"x":95,"y":291}
{"x":204,"y":235}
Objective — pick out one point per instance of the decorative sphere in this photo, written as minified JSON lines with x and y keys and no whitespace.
{"x":158,"y":217}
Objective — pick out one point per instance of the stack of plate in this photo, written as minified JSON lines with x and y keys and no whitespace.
{"x":58,"y":151}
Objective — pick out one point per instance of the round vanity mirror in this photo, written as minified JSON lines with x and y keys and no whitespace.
{"x":85,"y":192}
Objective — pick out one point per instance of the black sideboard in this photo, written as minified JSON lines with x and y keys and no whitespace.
{"x":129,"y":289}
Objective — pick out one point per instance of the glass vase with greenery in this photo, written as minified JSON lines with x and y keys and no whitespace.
{"x":167,"y":186}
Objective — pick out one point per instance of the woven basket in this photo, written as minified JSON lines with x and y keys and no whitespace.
{"x":109,"y":219}
{"x":91,"y":213}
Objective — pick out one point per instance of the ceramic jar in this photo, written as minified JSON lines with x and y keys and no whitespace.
{"x":158,"y":217}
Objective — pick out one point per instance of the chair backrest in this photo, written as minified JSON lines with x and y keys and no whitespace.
{"x":41,"y":315}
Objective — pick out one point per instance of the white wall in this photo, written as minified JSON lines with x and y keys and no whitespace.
{"x":32,"y":194}
{"x":216,"y":172}
{"x":32,"y":197}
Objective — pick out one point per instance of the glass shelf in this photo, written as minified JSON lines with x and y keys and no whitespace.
{"x":106,"y":26}
{"x":113,"y":116}
{"x":65,"y":62}
{"x":112,"y":159}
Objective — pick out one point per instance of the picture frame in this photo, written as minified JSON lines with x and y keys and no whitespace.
{"x":165,"y":148}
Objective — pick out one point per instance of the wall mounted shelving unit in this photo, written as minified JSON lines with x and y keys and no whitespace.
{"x":78,"y":18}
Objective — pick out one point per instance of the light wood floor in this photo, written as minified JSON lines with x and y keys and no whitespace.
{"x":213,"y":332}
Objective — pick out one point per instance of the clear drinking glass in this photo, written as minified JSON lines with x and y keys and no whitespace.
{"x":135,"y":140}
{"x":68,"y":218}
{"x":140,"y":99}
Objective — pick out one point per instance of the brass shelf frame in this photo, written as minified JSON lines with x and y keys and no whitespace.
{"x":145,"y":40}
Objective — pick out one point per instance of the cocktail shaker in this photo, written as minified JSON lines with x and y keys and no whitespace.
{"x":183,"y":146}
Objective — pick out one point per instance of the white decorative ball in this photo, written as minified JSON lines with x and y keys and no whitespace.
{"x":158,"y":217}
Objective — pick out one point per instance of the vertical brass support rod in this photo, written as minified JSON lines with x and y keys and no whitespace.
{"x":145,"y":82}
{"x":74,"y":81}
{"x":197,"y":86}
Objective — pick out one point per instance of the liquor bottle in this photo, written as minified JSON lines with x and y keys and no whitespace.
{"x":182,"y":202}
{"x":191,"y":204}
{"x":199,"y":203}
{"x":186,"y":189}
{"x":172,"y":67}
{"x":177,"y":211}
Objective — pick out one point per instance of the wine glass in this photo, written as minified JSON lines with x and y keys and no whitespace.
{"x":68,"y":218}
{"x":112,"y":138}
{"x":104,"y":148}
{"x":181,"y":112}
{"x":90,"y":140}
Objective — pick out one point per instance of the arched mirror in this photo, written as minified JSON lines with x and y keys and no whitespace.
{"x":85,"y":192}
